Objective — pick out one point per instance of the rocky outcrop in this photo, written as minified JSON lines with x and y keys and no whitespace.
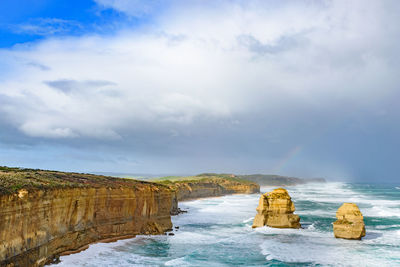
{"x":43,"y":221}
{"x":350,"y":222}
{"x":212,"y":188}
{"x":275,"y":209}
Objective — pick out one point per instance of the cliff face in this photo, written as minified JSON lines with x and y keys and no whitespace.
{"x":275,"y":209}
{"x":212,"y":188}
{"x":45,"y":214}
{"x":350,"y":222}
{"x":36,"y":226}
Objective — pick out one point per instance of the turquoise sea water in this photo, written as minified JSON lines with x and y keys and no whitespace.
{"x":217,"y":232}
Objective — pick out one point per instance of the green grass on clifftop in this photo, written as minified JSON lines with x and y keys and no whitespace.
{"x":14,"y":179}
{"x":204,"y":177}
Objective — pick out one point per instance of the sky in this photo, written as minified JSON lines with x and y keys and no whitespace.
{"x":301,"y":88}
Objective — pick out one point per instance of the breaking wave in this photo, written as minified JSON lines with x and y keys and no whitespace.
{"x":217,"y":232}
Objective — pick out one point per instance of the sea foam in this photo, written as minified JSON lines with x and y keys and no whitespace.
{"x":217,"y":232}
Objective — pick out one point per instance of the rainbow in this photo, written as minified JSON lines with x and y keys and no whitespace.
{"x":291,"y":154}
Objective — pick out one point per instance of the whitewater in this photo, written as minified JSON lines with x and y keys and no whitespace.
{"x":217,"y":232}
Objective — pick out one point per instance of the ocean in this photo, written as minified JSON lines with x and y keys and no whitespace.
{"x":217,"y":232}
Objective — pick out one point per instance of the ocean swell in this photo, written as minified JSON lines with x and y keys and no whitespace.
{"x":217,"y":232}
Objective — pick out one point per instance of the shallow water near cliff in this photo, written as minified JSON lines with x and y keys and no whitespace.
{"x":217,"y":232}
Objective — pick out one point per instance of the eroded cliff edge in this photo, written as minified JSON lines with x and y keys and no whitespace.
{"x":208,"y":185}
{"x":44,"y":214}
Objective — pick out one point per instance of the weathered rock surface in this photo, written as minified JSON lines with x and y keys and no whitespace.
{"x":275,"y":209}
{"x":212,"y":188}
{"x":350,"y":222}
{"x":40,"y":223}
{"x":45,"y":214}
{"x":206,"y":185}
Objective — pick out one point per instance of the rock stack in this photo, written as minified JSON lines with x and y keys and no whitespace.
{"x":350,"y":222}
{"x":276,"y":209}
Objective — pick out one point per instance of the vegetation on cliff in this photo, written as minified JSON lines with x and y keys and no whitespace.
{"x":14,"y":179}
{"x":40,"y":224}
{"x":204,"y":177}
{"x":261,"y":179}
{"x":45,"y":214}
{"x":208,"y":185}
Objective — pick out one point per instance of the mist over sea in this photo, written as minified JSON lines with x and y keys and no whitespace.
{"x":217,"y":232}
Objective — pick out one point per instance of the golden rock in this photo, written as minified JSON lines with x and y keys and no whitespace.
{"x":350,"y":222}
{"x":275,"y":209}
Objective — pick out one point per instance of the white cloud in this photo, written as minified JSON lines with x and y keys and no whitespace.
{"x":203,"y":63}
{"x":135,"y":8}
{"x":47,"y":26}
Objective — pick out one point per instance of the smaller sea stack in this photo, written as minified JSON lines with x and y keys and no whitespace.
{"x":350,"y":222}
{"x":275,"y":209}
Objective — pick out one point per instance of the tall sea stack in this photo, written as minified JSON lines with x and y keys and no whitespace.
{"x":275,"y":209}
{"x":350,"y":222}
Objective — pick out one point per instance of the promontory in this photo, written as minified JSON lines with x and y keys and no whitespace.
{"x":45,"y":214}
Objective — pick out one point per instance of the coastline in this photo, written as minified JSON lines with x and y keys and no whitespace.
{"x":46,"y":214}
{"x":219,"y":226}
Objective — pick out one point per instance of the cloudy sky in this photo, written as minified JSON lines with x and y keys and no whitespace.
{"x":304,"y":88}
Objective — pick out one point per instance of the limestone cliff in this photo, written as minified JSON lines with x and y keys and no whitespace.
{"x":350,"y":222}
{"x":45,"y":214}
{"x":201,"y":186}
{"x":275,"y":209}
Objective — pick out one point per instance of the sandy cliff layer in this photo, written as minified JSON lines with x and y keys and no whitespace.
{"x":41,"y":222}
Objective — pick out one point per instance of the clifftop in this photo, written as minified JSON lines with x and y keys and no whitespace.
{"x":208,"y":185}
{"x":14,"y":179}
{"x":45,"y":214}
{"x":261,"y":179}
{"x":204,"y":177}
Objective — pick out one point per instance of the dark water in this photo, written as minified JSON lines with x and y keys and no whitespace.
{"x":217,"y":232}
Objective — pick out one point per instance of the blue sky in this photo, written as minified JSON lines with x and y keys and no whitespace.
{"x":55,"y":18}
{"x":302,"y":88}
